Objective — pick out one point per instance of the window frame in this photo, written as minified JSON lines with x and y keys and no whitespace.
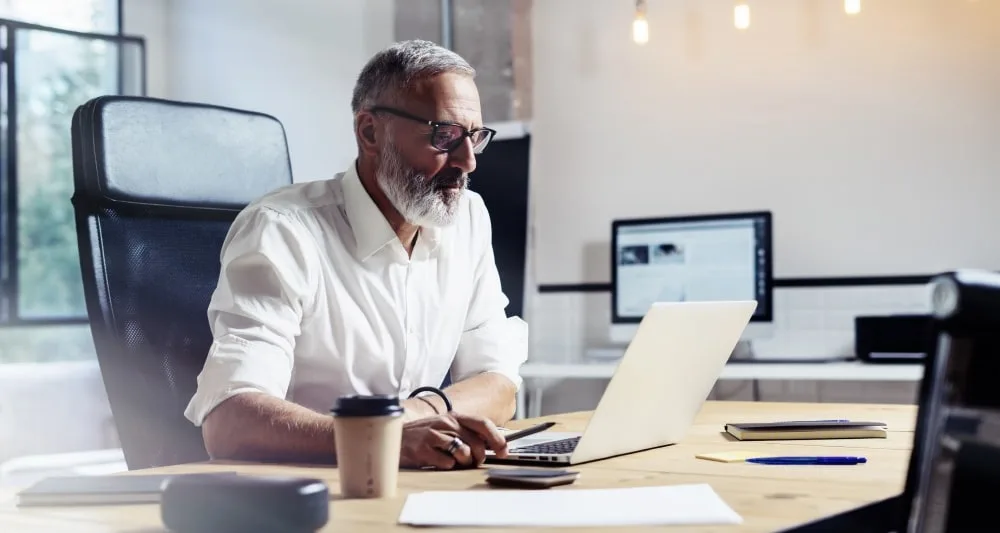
{"x":10,"y":289}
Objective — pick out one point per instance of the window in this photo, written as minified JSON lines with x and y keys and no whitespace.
{"x":494,"y":36}
{"x":89,"y":16}
{"x":57,"y":54}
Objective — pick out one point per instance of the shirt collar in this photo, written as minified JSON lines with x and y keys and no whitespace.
{"x":372,"y":231}
{"x":430,"y":236}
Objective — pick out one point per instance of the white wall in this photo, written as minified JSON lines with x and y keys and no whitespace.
{"x":52,"y":408}
{"x":294,"y":59}
{"x":875,"y":139}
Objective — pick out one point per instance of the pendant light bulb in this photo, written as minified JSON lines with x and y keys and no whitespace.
{"x":640,"y":26}
{"x":741,"y":15}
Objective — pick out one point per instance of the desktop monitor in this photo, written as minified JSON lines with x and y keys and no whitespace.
{"x":690,"y":258}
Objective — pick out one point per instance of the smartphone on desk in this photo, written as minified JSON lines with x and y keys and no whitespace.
{"x":530,"y":478}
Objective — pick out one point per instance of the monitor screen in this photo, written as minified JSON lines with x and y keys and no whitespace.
{"x":692,"y":258}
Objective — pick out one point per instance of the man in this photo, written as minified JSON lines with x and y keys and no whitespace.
{"x":378,"y":281}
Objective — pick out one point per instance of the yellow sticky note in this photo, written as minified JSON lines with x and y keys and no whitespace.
{"x":728,"y":457}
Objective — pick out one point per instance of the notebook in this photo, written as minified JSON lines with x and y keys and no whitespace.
{"x":808,"y":429}
{"x":92,"y":490}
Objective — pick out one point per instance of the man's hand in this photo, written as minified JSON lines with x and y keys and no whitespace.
{"x":426,"y":441}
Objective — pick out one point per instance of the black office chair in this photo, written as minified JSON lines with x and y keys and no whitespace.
{"x":157,"y":185}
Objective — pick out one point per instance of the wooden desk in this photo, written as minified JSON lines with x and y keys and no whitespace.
{"x":768,"y":498}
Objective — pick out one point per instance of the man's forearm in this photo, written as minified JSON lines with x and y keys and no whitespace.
{"x":489,"y":395}
{"x":259,"y":427}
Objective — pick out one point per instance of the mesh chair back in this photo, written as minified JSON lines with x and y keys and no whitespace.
{"x":156,"y":186}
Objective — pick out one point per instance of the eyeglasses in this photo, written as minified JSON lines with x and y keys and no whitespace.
{"x":446,"y":136}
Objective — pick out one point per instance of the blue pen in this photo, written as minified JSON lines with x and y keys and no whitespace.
{"x":793,"y":460}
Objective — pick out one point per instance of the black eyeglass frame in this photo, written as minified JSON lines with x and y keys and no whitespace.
{"x":435,"y":125}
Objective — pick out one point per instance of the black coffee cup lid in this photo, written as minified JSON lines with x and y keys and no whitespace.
{"x":374,"y":405}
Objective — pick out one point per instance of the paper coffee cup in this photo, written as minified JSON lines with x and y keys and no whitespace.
{"x":368,"y":433}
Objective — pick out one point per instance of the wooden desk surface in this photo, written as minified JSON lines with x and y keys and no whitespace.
{"x":768,"y":498}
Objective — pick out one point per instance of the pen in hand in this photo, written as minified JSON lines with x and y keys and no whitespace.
{"x":528,"y":431}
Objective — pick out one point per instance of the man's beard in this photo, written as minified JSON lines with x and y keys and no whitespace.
{"x":421,"y":200}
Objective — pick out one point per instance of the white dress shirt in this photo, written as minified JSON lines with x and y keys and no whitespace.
{"x":317,"y":298}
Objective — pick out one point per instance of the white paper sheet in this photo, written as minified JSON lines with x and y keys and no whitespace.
{"x":667,"y":505}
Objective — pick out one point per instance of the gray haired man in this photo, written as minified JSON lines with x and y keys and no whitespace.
{"x":377,"y":281}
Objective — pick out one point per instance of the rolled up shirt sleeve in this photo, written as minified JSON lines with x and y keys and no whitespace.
{"x":491,"y":341}
{"x":266,"y":284}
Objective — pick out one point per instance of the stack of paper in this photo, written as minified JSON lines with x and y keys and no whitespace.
{"x":670,"y":505}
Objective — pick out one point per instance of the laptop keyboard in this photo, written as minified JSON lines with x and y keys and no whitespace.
{"x":552,"y":447}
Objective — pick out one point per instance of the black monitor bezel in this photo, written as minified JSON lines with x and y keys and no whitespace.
{"x":765,"y":312}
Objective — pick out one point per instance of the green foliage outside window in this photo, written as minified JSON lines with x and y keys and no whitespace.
{"x":54,"y":74}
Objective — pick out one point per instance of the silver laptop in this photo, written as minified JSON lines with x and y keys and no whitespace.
{"x":667,"y":372}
